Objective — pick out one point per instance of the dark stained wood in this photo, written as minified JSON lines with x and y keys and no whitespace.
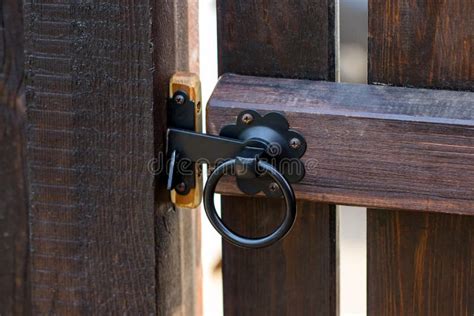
{"x":421,"y":263}
{"x":277,"y":38}
{"x":298,"y":275}
{"x":14,"y":295}
{"x":90,"y":136}
{"x":421,"y":43}
{"x":288,"y":278}
{"x":177,"y":232}
{"x":105,"y":239}
{"x":366,"y":145}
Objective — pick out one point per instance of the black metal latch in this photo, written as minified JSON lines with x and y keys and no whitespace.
{"x":262,"y":152}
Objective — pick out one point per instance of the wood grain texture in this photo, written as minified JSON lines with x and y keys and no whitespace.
{"x":298,"y":275}
{"x":421,"y":43}
{"x":90,"y":136}
{"x":421,"y":263}
{"x":14,"y":294}
{"x":292,"y":276}
{"x":277,"y":38}
{"x":177,"y":231}
{"x":366,"y":145}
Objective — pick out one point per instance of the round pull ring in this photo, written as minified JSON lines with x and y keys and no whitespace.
{"x":228,"y":167}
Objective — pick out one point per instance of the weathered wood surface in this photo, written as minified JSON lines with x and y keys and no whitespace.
{"x":104,"y":238}
{"x":366,"y":145}
{"x":14,"y":296}
{"x":178,"y":241}
{"x":278,"y":39}
{"x":288,"y":278}
{"x":421,"y":43}
{"x":90,"y":136}
{"x":298,"y":275}
{"x":90,"y":90}
{"x":421,"y":263}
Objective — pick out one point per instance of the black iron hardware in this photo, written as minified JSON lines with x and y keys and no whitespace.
{"x":262,"y":152}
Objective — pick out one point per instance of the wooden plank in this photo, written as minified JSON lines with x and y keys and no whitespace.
{"x":14,"y":295}
{"x":285,"y":279}
{"x":297,"y":275}
{"x":281,"y":39}
{"x":366,"y":144}
{"x":106,"y":98}
{"x":90,"y":137}
{"x":421,"y":43}
{"x":420,"y":263}
{"x":178,"y":237}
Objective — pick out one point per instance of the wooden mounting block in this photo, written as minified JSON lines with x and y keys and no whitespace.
{"x":374,"y":146}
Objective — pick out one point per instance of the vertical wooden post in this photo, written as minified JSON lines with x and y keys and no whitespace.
{"x":90,"y":138}
{"x":104,"y":237}
{"x":14,"y":296}
{"x":178,"y":236}
{"x":297,"y":275}
{"x":420,"y":263}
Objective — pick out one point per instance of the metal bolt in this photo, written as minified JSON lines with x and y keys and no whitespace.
{"x":179,"y":99}
{"x":295,"y":143}
{"x":247,"y":118}
{"x":273,"y":187}
{"x":181,"y":187}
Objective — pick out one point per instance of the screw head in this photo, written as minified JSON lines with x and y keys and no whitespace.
{"x":295,"y":143}
{"x":181,"y":187}
{"x":179,"y":99}
{"x":273,"y":187}
{"x":247,"y":118}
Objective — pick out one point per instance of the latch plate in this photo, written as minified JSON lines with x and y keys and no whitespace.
{"x":283,"y":148}
{"x":186,"y":114}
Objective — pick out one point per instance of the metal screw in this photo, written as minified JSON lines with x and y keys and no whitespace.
{"x":179,"y":99}
{"x":295,"y":143}
{"x":247,"y":118}
{"x":273,"y":187}
{"x":181,"y":187}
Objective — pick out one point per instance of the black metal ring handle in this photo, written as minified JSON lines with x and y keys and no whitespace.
{"x":228,"y":167}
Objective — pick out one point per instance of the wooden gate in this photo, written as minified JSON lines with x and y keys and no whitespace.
{"x":86,"y":228}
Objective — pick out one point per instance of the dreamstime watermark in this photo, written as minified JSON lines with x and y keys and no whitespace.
{"x":184,"y":166}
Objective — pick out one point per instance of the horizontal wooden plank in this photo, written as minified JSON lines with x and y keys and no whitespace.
{"x":374,"y":146}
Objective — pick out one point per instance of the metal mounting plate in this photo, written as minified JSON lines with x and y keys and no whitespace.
{"x":184,"y":111}
{"x":283,"y":148}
